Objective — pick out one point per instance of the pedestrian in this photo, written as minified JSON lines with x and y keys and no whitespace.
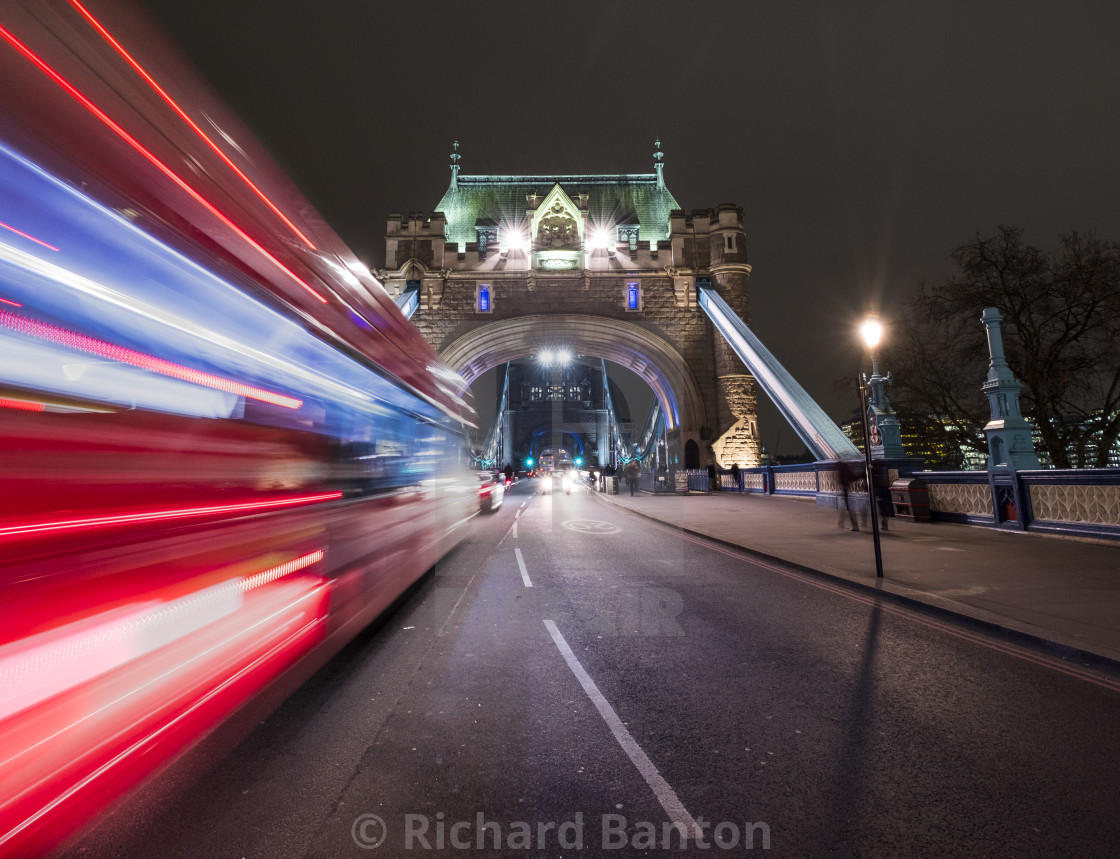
{"x":633,"y":473}
{"x":713,"y":480}
{"x":737,"y":476}
{"x":848,"y":474}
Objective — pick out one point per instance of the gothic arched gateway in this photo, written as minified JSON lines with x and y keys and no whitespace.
{"x":606,"y":265}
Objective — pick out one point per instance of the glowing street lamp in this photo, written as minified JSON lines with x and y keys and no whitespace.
{"x":872,"y":332}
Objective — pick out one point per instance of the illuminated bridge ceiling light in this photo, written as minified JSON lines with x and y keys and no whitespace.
{"x":554,"y":357}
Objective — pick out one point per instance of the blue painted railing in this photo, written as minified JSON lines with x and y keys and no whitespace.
{"x":1077,"y":502}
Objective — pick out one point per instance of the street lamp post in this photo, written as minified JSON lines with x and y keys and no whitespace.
{"x":871,"y":331}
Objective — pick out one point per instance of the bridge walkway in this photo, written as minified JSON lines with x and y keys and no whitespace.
{"x":1061,"y":592}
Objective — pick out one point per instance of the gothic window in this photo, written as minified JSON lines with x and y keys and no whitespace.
{"x":628,"y":233}
{"x":487,"y":236}
{"x":730,"y":241}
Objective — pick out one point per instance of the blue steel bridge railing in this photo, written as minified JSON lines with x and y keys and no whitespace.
{"x":626,"y":448}
{"x":487,"y":455}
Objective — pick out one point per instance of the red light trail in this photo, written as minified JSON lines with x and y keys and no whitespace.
{"x":148,"y":156}
{"x":102,"y":349}
{"x":164,"y":515}
{"x":22,"y":405}
{"x":26,"y":236}
{"x":174,"y":106}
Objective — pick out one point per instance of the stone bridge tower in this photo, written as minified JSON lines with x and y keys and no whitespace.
{"x":606,"y":265}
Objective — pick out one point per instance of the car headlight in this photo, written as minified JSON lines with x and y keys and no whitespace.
{"x":567,"y":483}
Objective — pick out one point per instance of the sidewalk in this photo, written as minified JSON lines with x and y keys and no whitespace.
{"x":1064,"y":591}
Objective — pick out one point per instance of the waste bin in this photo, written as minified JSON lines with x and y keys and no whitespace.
{"x":910,"y":499}
{"x":612,"y":485}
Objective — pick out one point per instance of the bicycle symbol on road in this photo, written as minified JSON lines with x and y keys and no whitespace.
{"x":590,"y":526}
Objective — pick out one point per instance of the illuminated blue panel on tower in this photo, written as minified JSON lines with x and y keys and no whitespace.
{"x":483,"y":298}
{"x":633,"y":295}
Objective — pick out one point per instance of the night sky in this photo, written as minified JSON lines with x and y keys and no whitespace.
{"x":863,"y":140}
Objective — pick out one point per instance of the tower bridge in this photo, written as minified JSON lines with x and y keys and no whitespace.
{"x":604,"y":266}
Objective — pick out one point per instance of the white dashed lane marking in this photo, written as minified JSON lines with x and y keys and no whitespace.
{"x":661,"y":789}
{"x":524,"y":572}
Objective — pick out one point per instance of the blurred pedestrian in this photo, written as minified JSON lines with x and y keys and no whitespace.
{"x":737,"y":476}
{"x":713,"y":479}
{"x":633,"y":472}
{"x":848,"y":474}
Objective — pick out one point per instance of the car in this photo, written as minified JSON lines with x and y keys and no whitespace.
{"x":563,"y":479}
{"x":492,"y":492}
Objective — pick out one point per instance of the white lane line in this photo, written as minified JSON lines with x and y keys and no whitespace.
{"x":517,"y":514}
{"x":665,"y":794}
{"x":523,"y":503}
{"x":524,"y":572}
{"x":514,"y":529}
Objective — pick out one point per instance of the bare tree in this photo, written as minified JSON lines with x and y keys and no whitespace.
{"x":1061,"y":331}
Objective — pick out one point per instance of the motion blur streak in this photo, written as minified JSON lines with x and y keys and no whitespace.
{"x":174,"y":106}
{"x":211,"y":483}
{"x":156,"y":515}
{"x":147,"y":708}
{"x":39,"y":667}
{"x":10,"y":228}
{"x":82,"y":343}
{"x":22,"y":405}
{"x":155,"y":162}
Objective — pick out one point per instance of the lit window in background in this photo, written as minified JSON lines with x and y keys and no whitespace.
{"x":633,"y":295}
{"x":484,"y":298}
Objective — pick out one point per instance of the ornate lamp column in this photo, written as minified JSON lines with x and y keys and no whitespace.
{"x":1010,"y":442}
{"x":871,"y":331}
{"x":886,"y":436}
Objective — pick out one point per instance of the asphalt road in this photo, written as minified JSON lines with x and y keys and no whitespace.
{"x":575,"y":676}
